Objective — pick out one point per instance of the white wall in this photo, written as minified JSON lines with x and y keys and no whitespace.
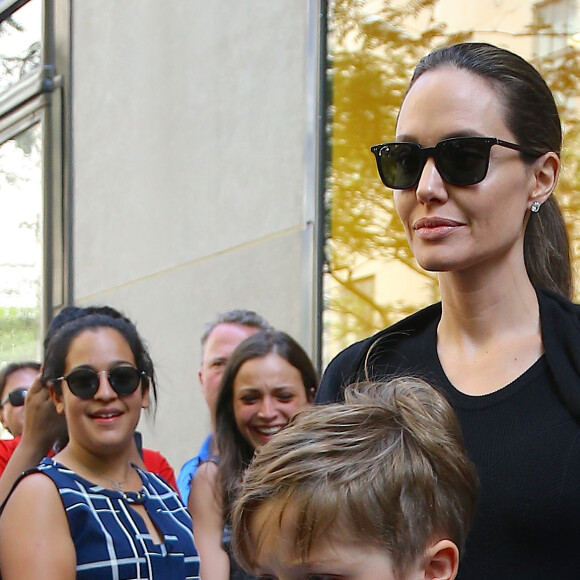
{"x":191,"y":129}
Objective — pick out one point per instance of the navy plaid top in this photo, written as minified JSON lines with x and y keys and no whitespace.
{"x":111,"y":538}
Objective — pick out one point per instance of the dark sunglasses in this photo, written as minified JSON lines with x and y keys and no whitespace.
{"x":15,"y":398}
{"x":84,"y":383}
{"x":460,"y":160}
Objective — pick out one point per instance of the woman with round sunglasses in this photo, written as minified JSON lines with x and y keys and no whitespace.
{"x":473,"y":167}
{"x":267,"y":379}
{"x":95,"y":514}
{"x":45,"y":432}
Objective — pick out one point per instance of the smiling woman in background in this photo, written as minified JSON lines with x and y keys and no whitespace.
{"x":268,"y":378}
{"x":97,"y":516}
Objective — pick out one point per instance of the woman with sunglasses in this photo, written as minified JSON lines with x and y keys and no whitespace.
{"x":267,"y":379}
{"x":96,"y":515}
{"x":473,"y":167}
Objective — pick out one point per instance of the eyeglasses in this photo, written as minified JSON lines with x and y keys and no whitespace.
{"x":15,"y":398}
{"x":460,"y":160}
{"x":84,"y":383}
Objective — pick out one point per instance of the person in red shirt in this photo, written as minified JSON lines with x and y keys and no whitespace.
{"x":15,"y":380}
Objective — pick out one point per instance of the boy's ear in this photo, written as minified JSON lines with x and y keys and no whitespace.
{"x":441,"y":561}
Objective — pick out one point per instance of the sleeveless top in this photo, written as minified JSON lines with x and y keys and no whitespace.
{"x":236,"y":571}
{"x":111,"y":539}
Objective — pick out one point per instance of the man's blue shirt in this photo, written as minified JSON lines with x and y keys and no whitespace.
{"x":189,"y":468}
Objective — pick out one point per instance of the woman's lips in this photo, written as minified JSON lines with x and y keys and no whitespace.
{"x":106,"y":416}
{"x":268,"y":430}
{"x":434,"y":228}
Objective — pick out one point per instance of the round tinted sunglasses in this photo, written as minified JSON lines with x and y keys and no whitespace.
{"x":459,"y":160}
{"x":15,"y":398}
{"x":84,"y":383}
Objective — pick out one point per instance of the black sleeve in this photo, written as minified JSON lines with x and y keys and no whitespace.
{"x":342,"y":370}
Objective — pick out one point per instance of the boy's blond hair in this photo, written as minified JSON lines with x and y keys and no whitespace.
{"x":387,"y":468}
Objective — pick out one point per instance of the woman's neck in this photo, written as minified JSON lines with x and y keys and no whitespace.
{"x":484,"y":306}
{"x":489,"y":332}
{"x":115,"y":467}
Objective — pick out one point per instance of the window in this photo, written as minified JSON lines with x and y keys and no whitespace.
{"x":21,"y":245}
{"x":372,"y":48}
{"x":555,"y":25}
{"x":32,"y":264}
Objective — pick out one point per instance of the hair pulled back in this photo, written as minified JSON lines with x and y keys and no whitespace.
{"x":531,"y":114}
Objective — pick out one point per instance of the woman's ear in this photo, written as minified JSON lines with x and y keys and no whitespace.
{"x":546,"y":170}
{"x":310,"y":394}
{"x":442,"y":561}
{"x":145,"y":401}
{"x":56,"y":399}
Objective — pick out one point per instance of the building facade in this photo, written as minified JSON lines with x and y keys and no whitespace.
{"x":178,"y":158}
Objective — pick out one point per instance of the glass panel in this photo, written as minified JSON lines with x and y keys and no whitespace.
{"x":21,"y":246}
{"x":556,"y":24}
{"x":20,"y":43}
{"x":371,"y":278}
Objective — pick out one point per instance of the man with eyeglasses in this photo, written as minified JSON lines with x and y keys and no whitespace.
{"x":15,"y":380}
{"x":219,"y":339}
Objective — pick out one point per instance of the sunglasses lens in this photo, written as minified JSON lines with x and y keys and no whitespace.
{"x":17,"y":397}
{"x":400,"y":165}
{"x":83,"y":383}
{"x":124,"y":380}
{"x":463,"y":161}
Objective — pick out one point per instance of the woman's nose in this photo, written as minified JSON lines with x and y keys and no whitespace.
{"x":431,"y":187}
{"x":105,"y":389}
{"x":267,"y":408}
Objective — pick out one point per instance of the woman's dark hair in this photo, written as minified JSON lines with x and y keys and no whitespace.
{"x":60,"y":339}
{"x":69,"y":313}
{"x":235,"y":452}
{"x":532,"y":116}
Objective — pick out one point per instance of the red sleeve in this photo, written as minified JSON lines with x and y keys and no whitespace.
{"x":7,"y":447}
{"x":156,"y":463}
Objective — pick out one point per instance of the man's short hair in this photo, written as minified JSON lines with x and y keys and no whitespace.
{"x":10,"y":368}
{"x":236,"y":316}
{"x":387,"y":468}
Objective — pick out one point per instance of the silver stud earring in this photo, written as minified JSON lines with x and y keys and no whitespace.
{"x":535,"y":207}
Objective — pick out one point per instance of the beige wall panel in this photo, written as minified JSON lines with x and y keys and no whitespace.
{"x":189,"y":131}
{"x":190,"y":150}
{"x":171,"y":309}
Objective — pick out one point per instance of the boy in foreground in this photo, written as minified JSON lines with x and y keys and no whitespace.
{"x":377,"y":488}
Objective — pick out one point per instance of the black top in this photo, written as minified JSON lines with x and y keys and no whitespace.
{"x":524,"y":440}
